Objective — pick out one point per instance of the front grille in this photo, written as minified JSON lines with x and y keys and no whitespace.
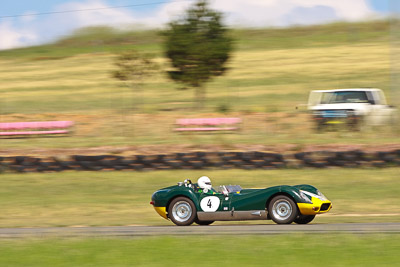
{"x":334,"y":113}
{"x":325,"y":206}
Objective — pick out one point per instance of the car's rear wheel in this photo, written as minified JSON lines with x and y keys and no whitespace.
{"x":304,"y":219}
{"x":282,"y":210}
{"x":203,"y":222}
{"x":182,"y":211}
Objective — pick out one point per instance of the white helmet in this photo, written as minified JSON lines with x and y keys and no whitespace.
{"x":204,"y":182}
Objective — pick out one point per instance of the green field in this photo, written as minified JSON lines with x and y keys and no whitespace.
{"x":122,"y":198}
{"x":272,"y":250}
{"x":271,"y":71}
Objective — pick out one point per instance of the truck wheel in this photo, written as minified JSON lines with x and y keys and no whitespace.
{"x":320,"y":127}
{"x":282,"y":210}
{"x":182,"y":211}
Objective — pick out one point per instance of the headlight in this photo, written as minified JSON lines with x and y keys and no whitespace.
{"x":321,"y":196}
{"x":304,"y":196}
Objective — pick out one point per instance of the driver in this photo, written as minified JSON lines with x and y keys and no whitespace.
{"x":205,"y":184}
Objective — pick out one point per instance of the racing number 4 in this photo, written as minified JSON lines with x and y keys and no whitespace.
{"x":209,"y":204}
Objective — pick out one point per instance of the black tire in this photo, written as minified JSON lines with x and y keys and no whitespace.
{"x":304,"y":219}
{"x":319,"y":165}
{"x":282,"y":210}
{"x":182,"y":211}
{"x":278,"y":165}
{"x":379,"y":164}
{"x":19,"y":168}
{"x":20,"y":159}
{"x":137,"y":167}
{"x":300,"y":155}
{"x":200,"y":154}
{"x":203,"y":222}
{"x":198,"y":165}
{"x":259,"y":164}
{"x":248,"y":167}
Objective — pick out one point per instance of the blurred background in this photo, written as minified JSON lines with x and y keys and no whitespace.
{"x":275,"y":60}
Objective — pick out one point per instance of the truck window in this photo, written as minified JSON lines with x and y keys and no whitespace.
{"x":344,"y":97}
{"x":314,"y":98}
{"x":372,"y":99}
{"x":326,"y":98}
{"x":381,"y":98}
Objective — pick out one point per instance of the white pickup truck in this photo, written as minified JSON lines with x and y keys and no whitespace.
{"x":350,"y":106}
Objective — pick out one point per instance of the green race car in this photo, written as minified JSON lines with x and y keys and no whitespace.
{"x":189,"y":202}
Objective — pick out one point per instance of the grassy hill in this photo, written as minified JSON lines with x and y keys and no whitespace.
{"x":271,"y":72}
{"x":106,"y":39}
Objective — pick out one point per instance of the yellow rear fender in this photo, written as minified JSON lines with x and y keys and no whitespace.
{"x":162,"y":211}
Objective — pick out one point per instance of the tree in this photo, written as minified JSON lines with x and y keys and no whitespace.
{"x":132,"y":68}
{"x":198,"y":47}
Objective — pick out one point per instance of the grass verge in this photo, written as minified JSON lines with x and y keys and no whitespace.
{"x":280,"y":250}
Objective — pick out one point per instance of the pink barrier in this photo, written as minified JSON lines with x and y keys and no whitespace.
{"x":208,"y":121}
{"x":33,"y":132}
{"x":207,"y":129}
{"x":35,"y":127}
{"x":214,"y":122}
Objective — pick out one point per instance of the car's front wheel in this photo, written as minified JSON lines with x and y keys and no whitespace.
{"x":282,"y":210}
{"x":182,"y":211}
{"x":304,"y":219}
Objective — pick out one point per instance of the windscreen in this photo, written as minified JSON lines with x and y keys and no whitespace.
{"x":344,"y":97}
{"x":229,"y":189}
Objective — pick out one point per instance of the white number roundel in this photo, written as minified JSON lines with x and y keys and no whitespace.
{"x":209,"y":204}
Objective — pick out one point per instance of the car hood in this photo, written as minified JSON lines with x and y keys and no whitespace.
{"x":306,"y":187}
{"x":358,"y":107}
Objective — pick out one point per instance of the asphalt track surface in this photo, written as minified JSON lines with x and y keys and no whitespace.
{"x":140,"y":231}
